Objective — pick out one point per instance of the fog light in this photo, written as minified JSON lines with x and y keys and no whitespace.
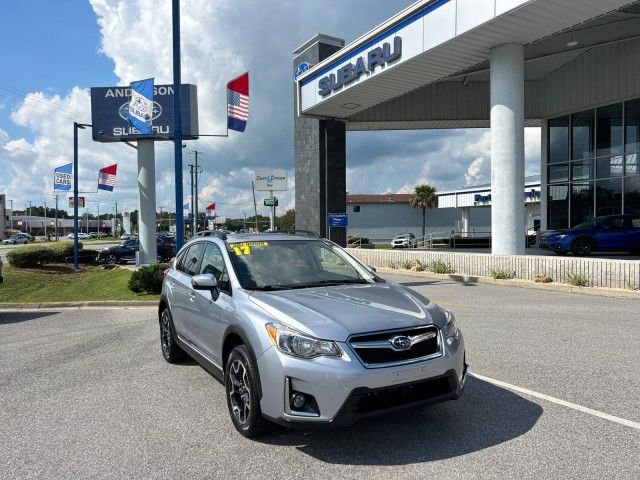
{"x":298,"y":401}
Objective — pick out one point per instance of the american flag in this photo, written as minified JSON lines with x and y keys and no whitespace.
{"x":238,"y":102}
{"x":107,"y":177}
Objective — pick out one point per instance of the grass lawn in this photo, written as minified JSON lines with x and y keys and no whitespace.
{"x":92,"y":283}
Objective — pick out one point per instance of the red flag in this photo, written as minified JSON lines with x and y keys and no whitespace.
{"x":238,"y":102}
{"x":107,"y":177}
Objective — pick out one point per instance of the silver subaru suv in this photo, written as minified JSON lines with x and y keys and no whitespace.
{"x":302,"y":333}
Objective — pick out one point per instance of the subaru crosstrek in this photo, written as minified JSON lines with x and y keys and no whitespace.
{"x":301,"y":333}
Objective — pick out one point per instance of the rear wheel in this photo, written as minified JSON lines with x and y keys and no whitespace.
{"x":581,"y":247}
{"x":171,"y":352}
{"x":241,"y":382}
{"x":111,"y":259}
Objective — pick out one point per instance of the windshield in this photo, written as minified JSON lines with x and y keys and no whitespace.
{"x":583,"y":225}
{"x":287,"y":264}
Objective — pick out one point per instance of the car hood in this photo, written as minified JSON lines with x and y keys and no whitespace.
{"x":339,"y":311}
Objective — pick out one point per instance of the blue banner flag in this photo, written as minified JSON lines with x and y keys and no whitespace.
{"x":141,"y":105}
{"x":62,"y":177}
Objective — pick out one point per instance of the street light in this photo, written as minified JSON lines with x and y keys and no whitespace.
{"x":76,"y":126}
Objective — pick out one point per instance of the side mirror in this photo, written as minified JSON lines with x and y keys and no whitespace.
{"x":373,"y":269}
{"x":206,"y":281}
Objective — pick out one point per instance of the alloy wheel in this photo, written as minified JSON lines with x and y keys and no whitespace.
{"x":165,"y":333}
{"x":239,"y":391}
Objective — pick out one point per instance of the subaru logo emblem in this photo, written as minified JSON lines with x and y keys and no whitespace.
{"x":123,"y":111}
{"x":401,"y":342}
{"x":303,"y":67}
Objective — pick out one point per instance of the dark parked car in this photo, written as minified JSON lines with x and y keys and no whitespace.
{"x":612,"y":233}
{"x":126,"y":251}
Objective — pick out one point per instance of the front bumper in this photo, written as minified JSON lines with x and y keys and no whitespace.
{"x":345,"y":391}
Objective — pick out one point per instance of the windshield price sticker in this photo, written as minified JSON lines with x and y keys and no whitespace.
{"x":245,"y":248}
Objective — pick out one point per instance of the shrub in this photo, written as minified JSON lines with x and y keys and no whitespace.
{"x":392,"y":265}
{"x":31,"y":256}
{"x":439,"y":266}
{"x":501,"y":274}
{"x":577,"y":280}
{"x":147,"y":279}
{"x":542,"y":278}
{"x":406,"y":264}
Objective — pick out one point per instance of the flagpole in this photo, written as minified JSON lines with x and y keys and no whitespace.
{"x":177,"y":125}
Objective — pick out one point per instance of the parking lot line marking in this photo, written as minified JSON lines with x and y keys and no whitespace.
{"x":558,"y":401}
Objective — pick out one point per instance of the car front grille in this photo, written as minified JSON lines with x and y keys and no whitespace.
{"x":376,"y":349}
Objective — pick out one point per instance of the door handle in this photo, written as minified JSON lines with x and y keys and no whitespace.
{"x":192,"y":296}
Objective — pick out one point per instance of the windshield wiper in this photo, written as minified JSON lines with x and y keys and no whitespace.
{"x":330,"y":283}
{"x":271,"y":288}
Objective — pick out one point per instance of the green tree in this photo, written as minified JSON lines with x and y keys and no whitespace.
{"x":424,"y":197}
{"x":287,"y":221}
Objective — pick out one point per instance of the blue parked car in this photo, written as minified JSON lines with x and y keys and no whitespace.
{"x":612,"y":233}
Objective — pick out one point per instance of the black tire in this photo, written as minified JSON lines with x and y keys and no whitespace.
{"x":111,"y":259}
{"x":581,"y":247}
{"x":171,"y":352}
{"x":241,"y":382}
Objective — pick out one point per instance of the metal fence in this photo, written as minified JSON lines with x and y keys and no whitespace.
{"x":598,"y":272}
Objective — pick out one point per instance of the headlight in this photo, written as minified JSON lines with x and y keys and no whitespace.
{"x":450,"y":329}
{"x":296,"y":344}
{"x":560,"y":237}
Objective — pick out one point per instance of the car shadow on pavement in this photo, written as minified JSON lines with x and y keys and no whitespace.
{"x":485,"y":416}
{"x":8,"y":317}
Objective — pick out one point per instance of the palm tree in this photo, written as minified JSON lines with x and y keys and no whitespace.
{"x":424,"y":197}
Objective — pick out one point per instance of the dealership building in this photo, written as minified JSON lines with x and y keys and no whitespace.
{"x":570,"y":68}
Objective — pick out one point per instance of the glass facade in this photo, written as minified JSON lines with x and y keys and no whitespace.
{"x":593,"y":164}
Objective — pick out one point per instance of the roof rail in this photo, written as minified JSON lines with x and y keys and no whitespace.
{"x":211,"y":233}
{"x":304,"y":233}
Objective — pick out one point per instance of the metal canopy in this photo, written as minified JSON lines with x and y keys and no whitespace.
{"x":547,"y":28}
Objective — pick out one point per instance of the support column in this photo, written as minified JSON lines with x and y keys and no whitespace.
{"x":507,"y":150}
{"x":465,"y":221}
{"x":147,"y":191}
{"x":320,"y":155}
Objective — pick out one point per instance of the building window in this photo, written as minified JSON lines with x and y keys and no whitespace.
{"x":609,"y":197}
{"x":558,"y":206}
{"x":632,"y":195}
{"x":632,"y":126}
{"x":559,"y":139}
{"x":356,"y":208}
{"x":609,"y":130}
{"x":582,"y":135}
{"x":581,"y":203}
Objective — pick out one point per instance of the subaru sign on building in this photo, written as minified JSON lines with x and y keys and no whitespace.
{"x":110,"y":114}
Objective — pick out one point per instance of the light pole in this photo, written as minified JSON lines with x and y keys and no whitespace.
{"x":76,"y":126}
{"x":177,"y":122}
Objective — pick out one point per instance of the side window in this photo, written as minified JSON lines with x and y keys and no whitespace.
{"x":635,"y":222}
{"x":189,"y":263}
{"x":213,"y":262}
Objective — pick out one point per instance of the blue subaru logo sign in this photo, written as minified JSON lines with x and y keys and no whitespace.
{"x":123,"y":111}
{"x":303,"y":67}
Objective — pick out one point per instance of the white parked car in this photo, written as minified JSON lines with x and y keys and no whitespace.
{"x":81,"y":236}
{"x":16,"y":240}
{"x":404,"y":240}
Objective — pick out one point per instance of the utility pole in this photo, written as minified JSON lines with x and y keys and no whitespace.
{"x":45,"y":220}
{"x":115,"y":228}
{"x":255,"y":207}
{"x":56,"y":215}
{"x":99,"y":225}
{"x":29,"y":218}
{"x":195,"y":172}
{"x":11,"y":216}
{"x":193,"y":228}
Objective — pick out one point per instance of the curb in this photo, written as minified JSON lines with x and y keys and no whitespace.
{"x":553,"y":287}
{"x":104,"y":303}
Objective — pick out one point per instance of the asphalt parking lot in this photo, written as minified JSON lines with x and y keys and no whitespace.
{"x":86,"y":393}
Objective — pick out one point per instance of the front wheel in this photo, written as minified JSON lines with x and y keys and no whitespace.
{"x":581,"y":247}
{"x":241,"y":382}
{"x":171,"y":352}
{"x":111,"y":259}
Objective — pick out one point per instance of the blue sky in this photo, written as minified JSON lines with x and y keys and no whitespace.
{"x":58,"y":50}
{"x":53,"y":46}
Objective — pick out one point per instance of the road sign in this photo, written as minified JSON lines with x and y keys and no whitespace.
{"x":338,"y":220}
{"x":271,"y":202}
{"x":80,"y":202}
{"x":271,"y":180}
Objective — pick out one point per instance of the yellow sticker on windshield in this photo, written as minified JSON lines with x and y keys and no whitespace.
{"x":245,"y":248}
